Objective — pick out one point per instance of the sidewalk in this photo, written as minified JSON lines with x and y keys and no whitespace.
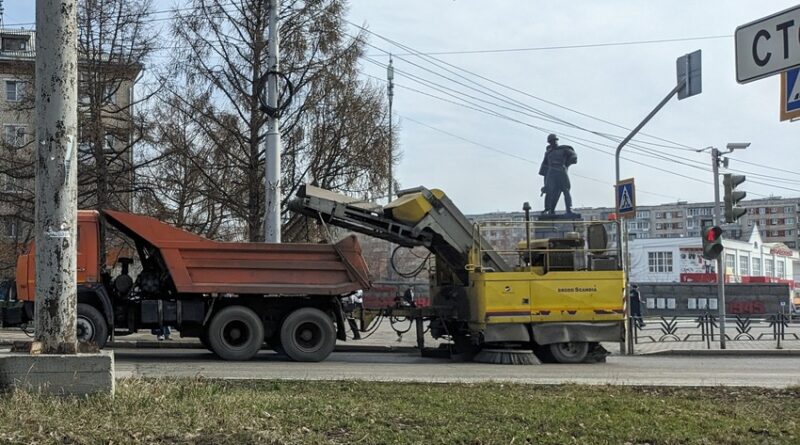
{"x":733,"y":347}
{"x":384,"y":339}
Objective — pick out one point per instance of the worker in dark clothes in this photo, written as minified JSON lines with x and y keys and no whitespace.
{"x":636,"y":306}
{"x":557,"y":160}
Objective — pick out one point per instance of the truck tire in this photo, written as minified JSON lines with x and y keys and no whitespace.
{"x":203,"y":337}
{"x":572,"y":352}
{"x":236,"y":333}
{"x":308,"y":335}
{"x":92,"y":326}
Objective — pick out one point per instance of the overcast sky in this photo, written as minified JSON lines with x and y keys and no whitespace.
{"x":488,"y":161}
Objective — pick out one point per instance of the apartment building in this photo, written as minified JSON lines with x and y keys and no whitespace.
{"x":18,"y":124}
{"x":775,"y":217}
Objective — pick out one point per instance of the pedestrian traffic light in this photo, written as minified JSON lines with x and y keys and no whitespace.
{"x":712,"y":242}
{"x":732,"y":197}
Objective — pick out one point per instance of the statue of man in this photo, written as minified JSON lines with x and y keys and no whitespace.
{"x":556,"y":162}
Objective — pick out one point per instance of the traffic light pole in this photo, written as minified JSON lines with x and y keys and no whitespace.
{"x":715,"y":159}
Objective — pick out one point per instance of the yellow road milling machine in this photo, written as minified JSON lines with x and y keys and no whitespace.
{"x":554,"y":298}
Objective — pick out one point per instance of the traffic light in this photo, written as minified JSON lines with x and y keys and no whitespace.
{"x":712,"y":242}
{"x":732,"y":197}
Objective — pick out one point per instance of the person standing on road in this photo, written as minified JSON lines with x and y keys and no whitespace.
{"x":635,"y":300}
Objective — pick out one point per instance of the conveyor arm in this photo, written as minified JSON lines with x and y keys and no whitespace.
{"x":419,"y":217}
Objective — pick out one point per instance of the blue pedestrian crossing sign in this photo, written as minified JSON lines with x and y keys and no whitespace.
{"x":790,"y":94}
{"x":626,"y":198}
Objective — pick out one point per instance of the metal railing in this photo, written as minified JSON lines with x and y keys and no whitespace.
{"x":778,"y":328}
{"x":553,"y":245}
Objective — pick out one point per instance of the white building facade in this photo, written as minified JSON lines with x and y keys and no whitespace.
{"x":680,"y":260}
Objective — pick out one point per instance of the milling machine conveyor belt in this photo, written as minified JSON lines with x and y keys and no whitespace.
{"x":419,"y":217}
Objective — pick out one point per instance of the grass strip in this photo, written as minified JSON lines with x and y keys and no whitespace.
{"x":199,"y":411}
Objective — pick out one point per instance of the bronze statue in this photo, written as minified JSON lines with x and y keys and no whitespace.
{"x":556,"y":162}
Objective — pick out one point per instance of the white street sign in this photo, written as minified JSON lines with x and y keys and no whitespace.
{"x":768,"y":46}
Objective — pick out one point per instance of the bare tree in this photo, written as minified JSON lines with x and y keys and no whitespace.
{"x":178,"y":187}
{"x":115,"y":38}
{"x":335,"y":133}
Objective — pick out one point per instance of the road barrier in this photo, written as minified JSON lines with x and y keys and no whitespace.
{"x":778,"y":328}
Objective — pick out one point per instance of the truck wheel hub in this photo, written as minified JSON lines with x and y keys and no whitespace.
{"x":308,"y":335}
{"x":236,"y":333}
{"x":85,"y":330}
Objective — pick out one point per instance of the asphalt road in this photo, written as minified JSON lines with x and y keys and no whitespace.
{"x":774,"y":372}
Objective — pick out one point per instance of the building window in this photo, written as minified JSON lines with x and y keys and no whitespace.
{"x":14,"y":90}
{"x":110,"y":139}
{"x":643,"y":214}
{"x":10,"y":184}
{"x":659,"y":262}
{"x":788,"y":209}
{"x":744,"y":265}
{"x":762,"y":210}
{"x":781,"y":270}
{"x":110,"y":94}
{"x":769,"y":268}
{"x":756,"y":267}
{"x":15,"y":44}
{"x":14,"y":136}
{"x":10,"y":228}
{"x":789,"y":221}
{"x":730,"y":262}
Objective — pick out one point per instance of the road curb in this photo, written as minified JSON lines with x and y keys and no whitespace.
{"x":149,"y":344}
{"x":726,"y":352}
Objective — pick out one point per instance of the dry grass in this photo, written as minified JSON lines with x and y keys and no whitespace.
{"x":266,"y":412}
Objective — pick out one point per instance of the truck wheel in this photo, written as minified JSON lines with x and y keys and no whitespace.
{"x":236,"y":333}
{"x":92,"y":327}
{"x":308,"y":335}
{"x":572,"y":352}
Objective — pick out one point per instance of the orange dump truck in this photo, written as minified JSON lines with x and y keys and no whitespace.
{"x":232,"y":296}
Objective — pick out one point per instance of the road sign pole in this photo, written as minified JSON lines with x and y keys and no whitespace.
{"x":622,"y":260}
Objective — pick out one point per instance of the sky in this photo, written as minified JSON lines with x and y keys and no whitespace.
{"x":481,"y":139}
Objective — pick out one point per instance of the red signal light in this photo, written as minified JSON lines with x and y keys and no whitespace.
{"x":713,"y":234}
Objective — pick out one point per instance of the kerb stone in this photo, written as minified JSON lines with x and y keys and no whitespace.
{"x":78,"y":374}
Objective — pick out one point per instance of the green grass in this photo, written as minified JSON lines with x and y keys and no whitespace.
{"x":269,"y":412}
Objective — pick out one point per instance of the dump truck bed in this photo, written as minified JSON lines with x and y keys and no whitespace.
{"x":199,"y":265}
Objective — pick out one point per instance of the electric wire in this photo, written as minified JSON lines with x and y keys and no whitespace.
{"x":634,"y":145}
{"x":441,"y":62}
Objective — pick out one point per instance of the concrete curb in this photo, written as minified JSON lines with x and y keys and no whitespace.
{"x":725,"y":352}
{"x":149,"y":344}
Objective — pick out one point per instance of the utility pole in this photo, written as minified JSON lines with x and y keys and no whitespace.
{"x":715,"y":160}
{"x":272,"y":215}
{"x":390,"y":93}
{"x":389,"y":194}
{"x":56,"y":175}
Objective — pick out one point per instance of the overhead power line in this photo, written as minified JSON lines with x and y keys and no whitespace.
{"x":561,"y":47}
